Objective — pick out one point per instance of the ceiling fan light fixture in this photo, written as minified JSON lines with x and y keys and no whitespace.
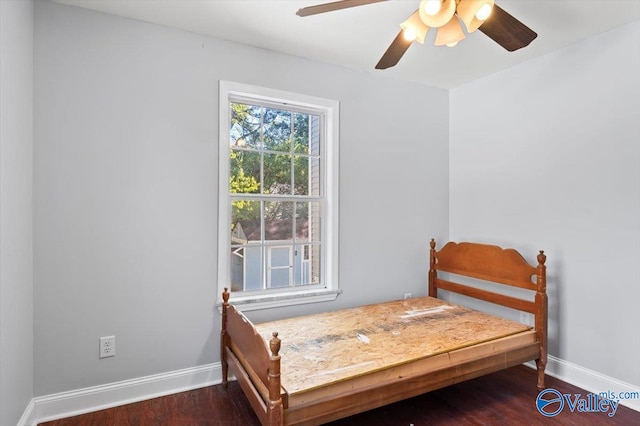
{"x":484,"y":12}
{"x":409,"y":34}
{"x":444,"y":15}
{"x":503,"y":28}
{"x":474,"y":12}
{"x":414,"y":29}
{"x":450,"y":34}
{"x":432,"y":7}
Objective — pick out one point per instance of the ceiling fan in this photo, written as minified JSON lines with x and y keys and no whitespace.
{"x":445,"y":16}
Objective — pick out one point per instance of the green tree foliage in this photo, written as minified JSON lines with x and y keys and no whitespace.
{"x":281,"y":139}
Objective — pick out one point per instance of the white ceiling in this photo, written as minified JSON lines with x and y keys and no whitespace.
{"x":357,"y":37}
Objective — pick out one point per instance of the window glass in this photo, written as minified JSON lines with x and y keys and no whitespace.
{"x":278,"y":189}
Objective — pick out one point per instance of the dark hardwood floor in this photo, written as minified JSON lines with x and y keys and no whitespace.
{"x":504,"y":398}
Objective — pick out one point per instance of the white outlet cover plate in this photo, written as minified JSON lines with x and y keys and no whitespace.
{"x":107,"y":346}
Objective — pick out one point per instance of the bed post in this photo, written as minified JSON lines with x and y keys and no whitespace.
{"x":541,"y":316}
{"x":224,"y":338}
{"x":433,"y":274}
{"x":275,"y":411}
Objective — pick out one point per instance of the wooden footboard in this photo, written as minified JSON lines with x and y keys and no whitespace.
{"x":248,"y":357}
{"x":496,"y":265}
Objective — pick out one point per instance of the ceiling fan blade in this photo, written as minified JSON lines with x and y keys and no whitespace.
{"x":336,"y":5}
{"x":394,"y":52}
{"x":506,"y":30}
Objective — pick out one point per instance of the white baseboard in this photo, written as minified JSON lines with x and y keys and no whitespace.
{"x":81,"y":401}
{"x":67,"y":404}
{"x":590,"y":380}
{"x":29,"y":415}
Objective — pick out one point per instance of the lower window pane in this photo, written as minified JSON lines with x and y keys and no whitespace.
{"x":245,"y":221}
{"x":307,"y":264}
{"x":246,"y":268}
{"x":237,"y":269}
{"x":279,"y":266}
{"x":266,"y":253}
{"x":279,"y":278}
{"x":278,"y":220}
{"x":308,"y":222}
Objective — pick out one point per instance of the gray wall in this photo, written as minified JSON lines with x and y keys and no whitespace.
{"x":547,"y":156}
{"x":126,"y":189}
{"x":16,"y":247}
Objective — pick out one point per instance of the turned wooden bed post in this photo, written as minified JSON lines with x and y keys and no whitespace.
{"x":276,"y":409}
{"x":224,"y":338}
{"x":433,"y":274}
{"x":541,"y":303}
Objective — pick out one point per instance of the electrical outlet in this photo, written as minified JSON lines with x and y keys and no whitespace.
{"x":407,"y":295}
{"x":107,"y":346}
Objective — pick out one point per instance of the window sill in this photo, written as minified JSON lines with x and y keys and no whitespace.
{"x":268,"y":301}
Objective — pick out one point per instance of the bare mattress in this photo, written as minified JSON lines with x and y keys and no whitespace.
{"x":323,"y":349}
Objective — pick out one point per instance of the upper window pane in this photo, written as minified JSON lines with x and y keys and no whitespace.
{"x":301,"y":133}
{"x":277,"y":174}
{"x":246,"y":126}
{"x":277,"y":130}
{"x":244,"y":176}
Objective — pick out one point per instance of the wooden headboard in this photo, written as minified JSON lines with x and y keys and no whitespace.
{"x":498,"y":265}
{"x":489,"y":263}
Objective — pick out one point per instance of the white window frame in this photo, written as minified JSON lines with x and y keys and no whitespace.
{"x":330,"y":110}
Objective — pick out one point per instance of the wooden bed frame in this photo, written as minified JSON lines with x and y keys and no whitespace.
{"x":258,"y":368}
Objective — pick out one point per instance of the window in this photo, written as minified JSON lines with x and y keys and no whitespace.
{"x":278,"y":203}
